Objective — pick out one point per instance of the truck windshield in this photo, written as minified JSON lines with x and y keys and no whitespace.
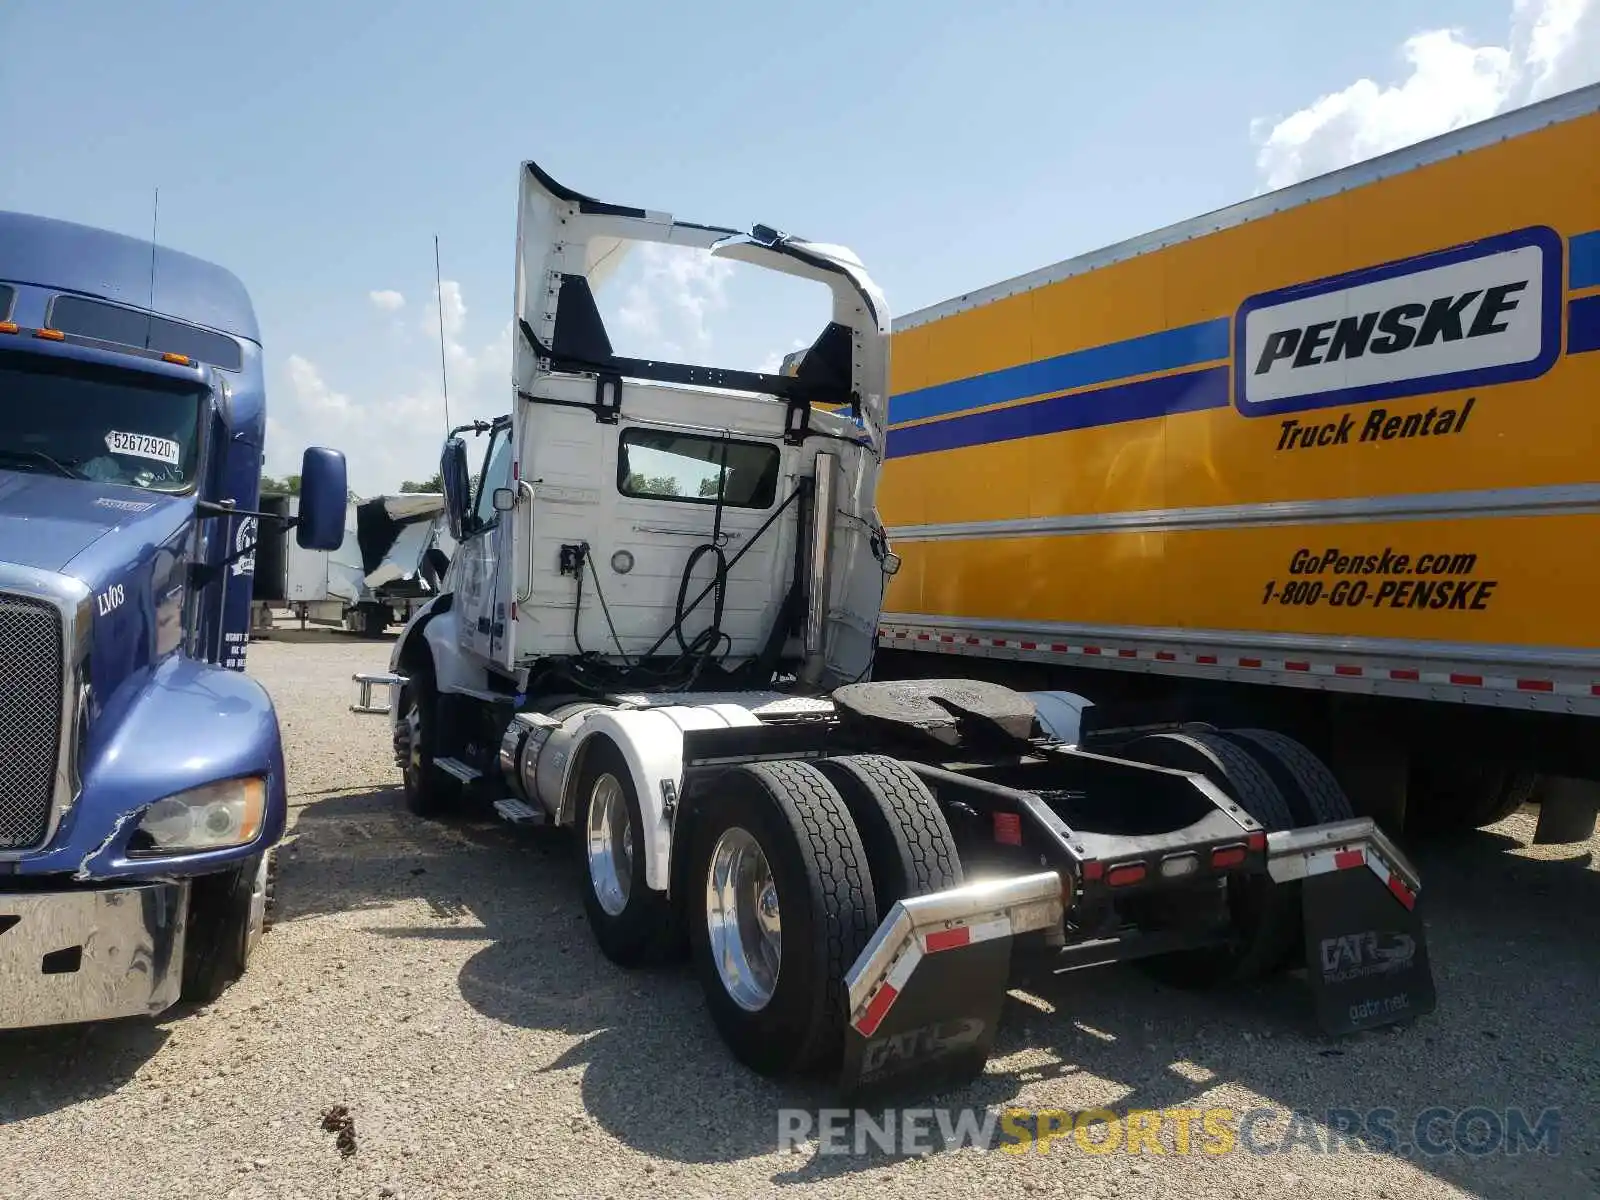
{"x":86,"y":421}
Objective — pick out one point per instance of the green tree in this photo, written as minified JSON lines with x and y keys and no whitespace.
{"x":434,"y":483}
{"x":289,"y":485}
{"x":651,"y":485}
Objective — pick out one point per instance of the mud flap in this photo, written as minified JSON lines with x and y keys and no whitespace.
{"x":1366,"y":949}
{"x":926,"y":994}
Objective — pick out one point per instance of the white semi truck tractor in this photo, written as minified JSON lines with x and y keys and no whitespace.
{"x":658,"y":631}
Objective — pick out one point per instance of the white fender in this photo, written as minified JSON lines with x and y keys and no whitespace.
{"x":651,"y":742}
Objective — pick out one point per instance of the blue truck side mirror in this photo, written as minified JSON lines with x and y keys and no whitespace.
{"x":453,"y":474}
{"x":324,"y":492}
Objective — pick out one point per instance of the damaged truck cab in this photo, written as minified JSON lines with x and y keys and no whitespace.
{"x":142,"y":788}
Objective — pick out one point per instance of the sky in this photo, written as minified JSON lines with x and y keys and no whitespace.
{"x":317,"y":149}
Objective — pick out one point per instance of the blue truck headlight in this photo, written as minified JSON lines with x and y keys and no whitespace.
{"x":213,"y":817}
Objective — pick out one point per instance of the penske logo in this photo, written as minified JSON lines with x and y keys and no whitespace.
{"x":1470,"y":317}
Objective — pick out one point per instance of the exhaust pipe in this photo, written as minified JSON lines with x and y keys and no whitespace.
{"x":820,"y":574}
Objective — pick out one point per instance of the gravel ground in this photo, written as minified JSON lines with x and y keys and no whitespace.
{"x":439,"y":981}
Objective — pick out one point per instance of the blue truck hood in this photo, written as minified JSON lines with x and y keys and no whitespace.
{"x":131,"y":549}
{"x":88,"y":530}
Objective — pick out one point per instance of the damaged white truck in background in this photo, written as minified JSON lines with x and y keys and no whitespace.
{"x":395,"y":552}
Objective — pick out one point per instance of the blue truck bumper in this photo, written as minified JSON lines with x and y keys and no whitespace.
{"x":90,"y":954}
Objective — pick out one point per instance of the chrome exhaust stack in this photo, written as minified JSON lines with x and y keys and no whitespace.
{"x":820,"y":574}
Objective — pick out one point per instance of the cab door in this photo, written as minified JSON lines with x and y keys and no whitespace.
{"x":483,"y":561}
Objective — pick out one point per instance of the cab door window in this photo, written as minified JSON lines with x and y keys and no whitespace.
{"x":496,"y":474}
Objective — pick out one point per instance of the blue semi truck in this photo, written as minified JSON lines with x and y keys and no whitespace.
{"x":142,"y":788}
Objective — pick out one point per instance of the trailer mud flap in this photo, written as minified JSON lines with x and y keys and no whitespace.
{"x":1366,"y":949}
{"x":927,"y":992}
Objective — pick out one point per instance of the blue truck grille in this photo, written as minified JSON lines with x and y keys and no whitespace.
{"x":30,"y":717}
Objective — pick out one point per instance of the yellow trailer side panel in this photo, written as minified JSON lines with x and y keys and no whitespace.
{"x":1409,"y":368}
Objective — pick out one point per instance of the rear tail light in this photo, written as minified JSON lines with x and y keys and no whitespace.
{"x":1224,"y":857}
{"x":1256,"y":840}
{"x":1008,"y":829}
{"x":1127,"y":873}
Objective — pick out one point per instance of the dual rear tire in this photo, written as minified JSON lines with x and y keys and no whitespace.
{"x":788,"y":868}
{"x":1282,"y":785}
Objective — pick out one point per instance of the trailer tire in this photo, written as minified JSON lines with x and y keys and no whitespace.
{"x":1267,"y":914}
{"x":374,"y":620}
{"x":1446,"y":795}
{"x":641,"y":930}
{"x":428,"y":791}
{"x":811,"y":855}
{"x":1313,"y":793}
{"x":224,"y":926}
{"x":910,"y":850}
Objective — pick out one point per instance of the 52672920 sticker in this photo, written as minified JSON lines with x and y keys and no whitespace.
{"x":143,"y":445}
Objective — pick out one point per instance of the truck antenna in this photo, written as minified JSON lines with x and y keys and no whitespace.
{"x":438,"y":291}
{"x":150,"y":320}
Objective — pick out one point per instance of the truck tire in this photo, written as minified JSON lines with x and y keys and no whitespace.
{"x":633,"y":925}
{"x":1313,"y":793}
{"x":374,"y":620}
{"x":773,"y":845}
{"x":910,"y":850}
{"x":1219,"y":760}
{"x":229,"y":912}
{"x":1266,"y":915}
{"x":428,"y":791}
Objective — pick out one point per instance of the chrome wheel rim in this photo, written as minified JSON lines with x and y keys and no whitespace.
{"x":743,"y":919}
{"x":406,"y":740}
{"x":610,"y":845}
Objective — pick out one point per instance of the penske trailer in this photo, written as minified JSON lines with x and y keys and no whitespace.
{"x":1325,"y":464}
{"x":657,"y":633}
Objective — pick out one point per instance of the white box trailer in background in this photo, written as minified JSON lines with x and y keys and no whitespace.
{"x":395,"y":552}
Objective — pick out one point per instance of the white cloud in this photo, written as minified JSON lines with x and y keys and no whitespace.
{"x":663,"y":311}
{"x":773,"y":362}
{"x":1553,"y":46}
{"x":387,"y":301}
{"x":390,"y":436}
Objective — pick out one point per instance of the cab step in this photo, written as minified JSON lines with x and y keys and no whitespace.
{"x":465,"y":772}
{"x":515,"y":812}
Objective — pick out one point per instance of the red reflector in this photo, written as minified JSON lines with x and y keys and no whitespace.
{"x":1008,"y":829}
{"x":1402,"y":892}
{"x":1257,"y":840}
{"x":1346,"y":859}
{"x":1124,"y":875}
{"x":1092,"y":870}
{"x":949,"y":939}
{"x":877,"y":1008}
{"x":1230,"y":856}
